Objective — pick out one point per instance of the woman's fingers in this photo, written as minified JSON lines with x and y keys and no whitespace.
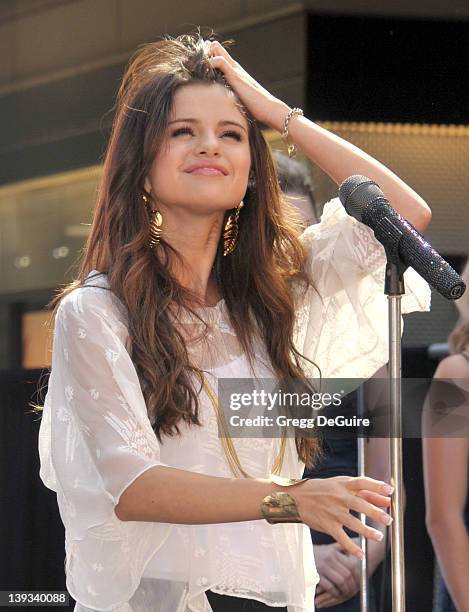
{"x":222,"y":64}
{"x":375,"y":498}
{"x":328,"y":508}
{"x":365,"y":530}
{"x":347,"y":543}
{"x":230,"y":72}
{"x":217,"y":48}
{"x":369,"y":484}
{"x":360,"y":505}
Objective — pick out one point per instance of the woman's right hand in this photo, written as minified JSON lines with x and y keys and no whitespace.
{"x":324,"y":504}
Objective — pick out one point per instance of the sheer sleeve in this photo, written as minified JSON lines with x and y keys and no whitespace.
{"x":342,"y":325}
{"x":95,"y":439}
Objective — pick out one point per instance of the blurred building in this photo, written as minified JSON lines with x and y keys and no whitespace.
{"x":389,"y":76}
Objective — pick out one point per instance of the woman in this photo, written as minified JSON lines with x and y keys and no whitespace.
{"x":193,"y":272}
{"x":447,"y":501}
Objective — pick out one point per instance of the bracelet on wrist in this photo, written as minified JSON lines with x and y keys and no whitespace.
{"x":291,"y":148}
{"x":280,"y":506}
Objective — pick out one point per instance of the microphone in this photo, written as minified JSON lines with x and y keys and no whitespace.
{"x":363,"y":199}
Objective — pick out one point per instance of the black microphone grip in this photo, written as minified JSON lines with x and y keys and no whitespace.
{"x":363,"y":199}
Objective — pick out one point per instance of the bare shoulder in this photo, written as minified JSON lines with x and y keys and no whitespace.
{"x":453,"y":366}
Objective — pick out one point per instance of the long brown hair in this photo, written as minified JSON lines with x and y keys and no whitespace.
{"x":255,"y":280}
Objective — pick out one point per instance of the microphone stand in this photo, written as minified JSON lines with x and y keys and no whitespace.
{"x":394,"y":289}
{"x":362,"y":472}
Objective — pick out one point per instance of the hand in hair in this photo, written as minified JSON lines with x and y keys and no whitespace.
{"x":262,"y":105}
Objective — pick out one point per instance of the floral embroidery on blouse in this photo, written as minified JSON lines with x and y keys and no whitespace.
{"x":96,"y":437}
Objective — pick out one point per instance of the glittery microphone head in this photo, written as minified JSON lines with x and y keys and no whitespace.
{"x":351,"y":194}
{"x":363,"y":199}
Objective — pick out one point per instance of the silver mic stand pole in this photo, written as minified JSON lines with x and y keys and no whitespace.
{"x":394,"y":288}
{"x":361,"y":472}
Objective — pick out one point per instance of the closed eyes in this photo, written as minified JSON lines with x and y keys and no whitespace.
{"x":188,"y":130}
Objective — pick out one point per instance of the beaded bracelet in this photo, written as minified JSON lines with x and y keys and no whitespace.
{"x":291,"y":148}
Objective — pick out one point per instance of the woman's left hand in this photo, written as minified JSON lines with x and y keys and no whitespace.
{"x":262,"y":105}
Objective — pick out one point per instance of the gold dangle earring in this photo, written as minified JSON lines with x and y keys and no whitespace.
{"x":156,"y":221}
{"x":231,"y":230}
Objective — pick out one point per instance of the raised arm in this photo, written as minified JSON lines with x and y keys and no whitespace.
{"x":340,"y":159}
{"x":337,"y":157}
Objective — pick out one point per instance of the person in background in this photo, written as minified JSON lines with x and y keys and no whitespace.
{"x":296,"y":182}
{"x":446,"y":498}
{"x":339,"y":586}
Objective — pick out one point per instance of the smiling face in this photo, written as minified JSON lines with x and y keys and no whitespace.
{"x":203,"y":163}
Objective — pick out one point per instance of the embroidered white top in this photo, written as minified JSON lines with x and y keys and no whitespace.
{"x":96,"y":438}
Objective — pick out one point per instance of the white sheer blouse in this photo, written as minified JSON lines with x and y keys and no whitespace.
{"x":96,"y":438}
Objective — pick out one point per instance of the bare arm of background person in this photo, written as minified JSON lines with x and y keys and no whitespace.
{"x":445,"y":463}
